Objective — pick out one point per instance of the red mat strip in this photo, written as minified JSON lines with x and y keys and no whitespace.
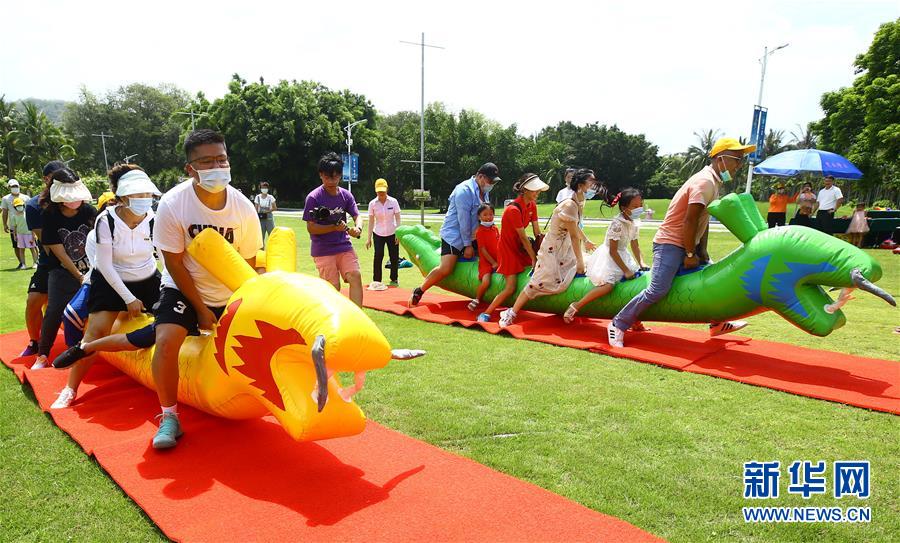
{"x":862,"y":382}
{"x":248,"y":481}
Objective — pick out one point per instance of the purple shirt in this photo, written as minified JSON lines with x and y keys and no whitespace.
{"x":341,"y":206}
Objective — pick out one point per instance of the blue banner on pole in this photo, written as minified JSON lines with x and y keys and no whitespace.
{"x":351,"y":168}
{"x":758,"y":134}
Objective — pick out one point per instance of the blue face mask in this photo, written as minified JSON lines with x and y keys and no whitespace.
{"x":589,"y":193}
{"x":725,"y":175}
{"x":636,"y":213}
{"x":487,"y":224}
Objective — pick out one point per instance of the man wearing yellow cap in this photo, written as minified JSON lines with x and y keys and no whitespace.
{"x":384,"y":218}
{"x":678,"y":240}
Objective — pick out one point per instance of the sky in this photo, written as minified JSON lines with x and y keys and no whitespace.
{"x":664,"y":69}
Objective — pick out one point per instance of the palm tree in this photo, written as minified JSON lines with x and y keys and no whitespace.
{"x":9,"y":135}
{"x":697,"y":155}
{"x":804,"y":138}
{"x":774,"y":143}
{"x":40,"y":140}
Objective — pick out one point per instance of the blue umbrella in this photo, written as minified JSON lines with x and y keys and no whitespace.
{"x":823,"y":163}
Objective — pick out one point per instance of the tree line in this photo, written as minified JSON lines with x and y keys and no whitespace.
{"x":277,"y":132}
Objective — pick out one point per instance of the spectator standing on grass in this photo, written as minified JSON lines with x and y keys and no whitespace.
{"x":326,"y":213}
{"x":265,"y":208}
{"x":384,"y":218}
{"x":6,"y":205}
{"x":828,"y":201}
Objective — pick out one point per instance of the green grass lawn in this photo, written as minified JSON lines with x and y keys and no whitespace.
{"x":658,"y":448}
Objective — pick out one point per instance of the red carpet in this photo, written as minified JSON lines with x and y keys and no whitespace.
{"x":248,"y":481}
{"x":853,"y":380}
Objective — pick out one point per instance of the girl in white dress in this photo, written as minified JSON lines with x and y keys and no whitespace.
{"x":611,"y":261}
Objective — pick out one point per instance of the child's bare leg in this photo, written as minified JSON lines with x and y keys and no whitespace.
{"x":596,"y":292}
{"x":482,"y":288}
{"x":109,"y":344}
{"x":507,"y":291}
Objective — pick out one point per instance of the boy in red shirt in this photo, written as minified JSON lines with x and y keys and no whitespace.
{"x":488,"y":238}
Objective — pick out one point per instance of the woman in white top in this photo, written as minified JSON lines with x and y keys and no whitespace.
{"x":612,"y":262}
{"x":125,"y":277}
{"x":265,"y":207}
{"x":384,"y":218}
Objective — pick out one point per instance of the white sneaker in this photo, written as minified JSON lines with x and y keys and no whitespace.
{"x":473,"y":305}
{"x":727,"y":327}
{"x":39,"y":363}
{"x":616,"y":337}
{"x":64,"y":399}
{"x":507,"y":317}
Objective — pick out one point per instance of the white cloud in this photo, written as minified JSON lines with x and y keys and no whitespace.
{"x":665,"y":69}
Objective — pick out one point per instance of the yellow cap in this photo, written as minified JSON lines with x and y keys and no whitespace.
{"x":730,"y":144}
{"x":380,"y":185}
{"x":104,"y":198}
{"x":18,"y":202}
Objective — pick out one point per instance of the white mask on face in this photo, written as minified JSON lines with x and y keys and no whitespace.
{"x":264,"y":191}
{"x":214,"y":179}
{"x":14,"y":190}
{"x":140,"y":206}
{"x":487,"y":224}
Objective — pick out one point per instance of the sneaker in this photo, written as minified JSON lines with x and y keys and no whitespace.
{"x":40,"y":363}
{"x":34,"y":266}
{"x":169,"y":431}
{"x":616,"y":337}
{"x":31,"y":349}
{"x":484,"y":317}
{"x":64,"y":399}
{"x":394,"y":284}
{"x":727,"y":327}
{"x":22,"y":267}
{"x":473,"y":306}
{"x":69,"y":357}
{"x":416,"y":297}
{"x":507,"y":317}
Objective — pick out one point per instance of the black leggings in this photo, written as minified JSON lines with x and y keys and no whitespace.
{"x":777,"y":219}
{"x":393,"y":251}
{"x":61,"y":286}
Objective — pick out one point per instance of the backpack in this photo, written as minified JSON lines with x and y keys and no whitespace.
{"x":112,"y":228}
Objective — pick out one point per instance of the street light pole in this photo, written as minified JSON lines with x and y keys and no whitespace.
{"x":423,"y":45}
{"x":762,"y":79}
{"x":192,"y":114}
{"x":349,"y":128}
{"x":103,"y":137}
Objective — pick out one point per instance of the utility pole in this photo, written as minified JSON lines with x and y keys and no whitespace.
{"x":349,"y":129}
{"x":103,"y":137}
{"x":762,"y":79}
{"x":192,"y":114}
{"x":423,"y":45}
{"x":128,"y":158}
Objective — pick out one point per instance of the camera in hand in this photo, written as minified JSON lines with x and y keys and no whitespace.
{"x":323,"y":215}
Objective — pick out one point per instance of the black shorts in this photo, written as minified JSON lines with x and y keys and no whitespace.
{"x":447,"y":249}
{"x":103,"y":297}
{"x":174,"y":308}
{"x":143,"y":338}
{"x":38,"y":281}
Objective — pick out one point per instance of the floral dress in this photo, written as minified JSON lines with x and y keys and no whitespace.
{"x":600,"y":267}
{"x":556,"y":262}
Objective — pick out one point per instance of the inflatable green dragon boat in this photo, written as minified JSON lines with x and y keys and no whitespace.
{"x":781,"y":270}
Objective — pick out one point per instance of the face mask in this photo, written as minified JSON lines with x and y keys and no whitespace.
{"x":14,"y":190}
{"x":140,"y":206}
{"x":637,"y":212}
{"x":589,"y":193}
{"x":488,"y":188}
{"x":72,"y":205}
{"x":725,"y":175}
{"x":487,"y":224}
{"x":264,"y":191}
{"x":20,"y":209}
{"x":214,"y":179}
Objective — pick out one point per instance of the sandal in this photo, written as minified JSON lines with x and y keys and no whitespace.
{"x":569,"y":315}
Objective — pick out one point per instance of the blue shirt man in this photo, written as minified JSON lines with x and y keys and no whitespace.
{"x":458,"y":230}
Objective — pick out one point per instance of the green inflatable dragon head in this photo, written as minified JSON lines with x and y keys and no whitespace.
{"x":781,"y":269}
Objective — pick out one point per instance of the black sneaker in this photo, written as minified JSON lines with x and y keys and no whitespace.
{"x":69,"y":357}
{"x":416,"y":297}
